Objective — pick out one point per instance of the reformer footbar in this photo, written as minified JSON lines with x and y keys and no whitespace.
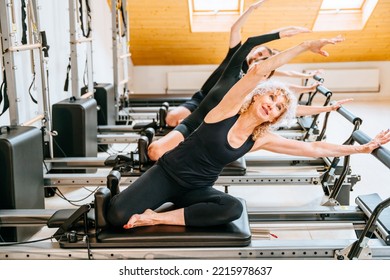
{"x":375,"y":208}
{"x":310,"y":95}
{"x":334,"y":190}
{"x":336,"y":178}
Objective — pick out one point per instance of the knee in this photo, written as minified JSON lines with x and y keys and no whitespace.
{"x":175,"y":116}
{"x":172,"y":119}
{"x":155,"y":151}
{"x":236,"y":209}
{"x":233,"y":209}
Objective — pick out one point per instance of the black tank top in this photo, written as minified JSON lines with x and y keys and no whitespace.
{"x":200,"y":158}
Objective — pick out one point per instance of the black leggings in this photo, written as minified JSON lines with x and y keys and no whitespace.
{"x":202,"y":206}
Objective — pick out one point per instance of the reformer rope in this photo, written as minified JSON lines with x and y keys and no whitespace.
{"x":3,"y":94}
{"x":86,"y":11}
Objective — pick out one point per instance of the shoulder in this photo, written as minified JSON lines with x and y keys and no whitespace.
{"x":264,"y":140}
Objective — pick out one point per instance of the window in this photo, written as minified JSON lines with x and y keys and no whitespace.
{"x":342,"y":5}
{"x":213,"y":15}
{"x":201,"y":6}
{"x":337,"y":15}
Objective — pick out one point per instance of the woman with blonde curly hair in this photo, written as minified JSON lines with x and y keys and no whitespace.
{"x":186,"y":174}
{"x":278,"y":89}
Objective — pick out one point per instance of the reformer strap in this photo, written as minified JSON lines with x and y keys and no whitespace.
{"x":28,"y":15}
{"x":29,"y":90}
{"x":66,"y":85}
{"x":88,"y":16}
{"x":24,"y":24}
{"x":3,"y":94}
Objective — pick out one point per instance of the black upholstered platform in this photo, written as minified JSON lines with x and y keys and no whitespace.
{"x":234,"y":234}
{"x":235,"y":168}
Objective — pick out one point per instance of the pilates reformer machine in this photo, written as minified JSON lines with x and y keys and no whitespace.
{"x":83,"y":233}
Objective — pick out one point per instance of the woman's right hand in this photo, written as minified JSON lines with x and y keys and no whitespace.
{"x":315,"y":46}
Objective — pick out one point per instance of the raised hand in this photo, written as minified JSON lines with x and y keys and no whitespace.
{"x":315,"y":72}
{"x":380,"y":139}
{"x":313,"y":86}
{"x":316,"y":46}
{"x":337,"y":104}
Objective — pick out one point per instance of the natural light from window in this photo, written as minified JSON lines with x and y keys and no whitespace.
{"x":215,"y":5}
{"x":213,"y":15}
{"x":342,"y":4}
{"x":335,"y":15}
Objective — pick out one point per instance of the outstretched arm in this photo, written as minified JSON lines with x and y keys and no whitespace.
{"x":297,"y":89}
{"x":303,"y":110}
{"x":278,"y":144}
{"x":235,"y":30}
{"x":235,"y":97}
{"x":296,"y":74}
{"x":314,"y":46}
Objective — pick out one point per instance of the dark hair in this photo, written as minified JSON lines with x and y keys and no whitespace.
{"x":271,"y":74}
{"x":269,"y":50}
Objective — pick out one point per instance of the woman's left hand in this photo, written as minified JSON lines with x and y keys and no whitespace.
{"x":336,"y":105}
{"x":380,"y":139}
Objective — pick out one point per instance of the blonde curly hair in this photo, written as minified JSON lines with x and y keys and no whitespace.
{"x":278,"y":88}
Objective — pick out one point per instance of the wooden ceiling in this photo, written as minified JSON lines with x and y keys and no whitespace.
{"x":160,"y":33}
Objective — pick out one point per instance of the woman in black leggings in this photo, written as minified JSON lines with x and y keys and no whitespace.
{"x":238,"y":124}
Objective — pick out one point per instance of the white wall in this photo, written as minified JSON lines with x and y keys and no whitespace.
{"x":153,"y":79}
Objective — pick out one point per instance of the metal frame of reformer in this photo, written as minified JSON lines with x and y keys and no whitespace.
{"x":366,"y":248}
{"x":35,"y":41}
{"x":372,"y":242}
{"x":258,"y":249}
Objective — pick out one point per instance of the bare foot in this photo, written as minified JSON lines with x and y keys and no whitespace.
{"x":147,"y":218}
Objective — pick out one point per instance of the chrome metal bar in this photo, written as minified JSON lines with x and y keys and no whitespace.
{"x":259,"y":249}
{"x":24,"y":47}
